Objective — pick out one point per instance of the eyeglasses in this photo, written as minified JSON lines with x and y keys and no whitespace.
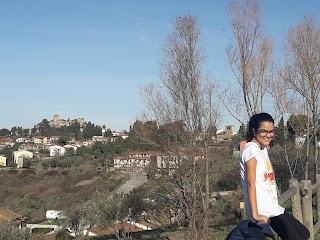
{"x":264,"y":133}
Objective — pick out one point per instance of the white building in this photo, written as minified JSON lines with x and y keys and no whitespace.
{"x":138,"y":159}
{"x":57,"y":151}
{"x":226,"y":134}
{"x":68,"y":146}
{"x":87,"y":143}
{"x":3,"y":161}
{"x":55,"y":214}
{"x":23,"y":140}
{"x":19,"y":156}
{"x":120,"y":134}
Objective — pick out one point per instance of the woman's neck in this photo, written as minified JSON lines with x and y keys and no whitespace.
{"x":256,"y":142}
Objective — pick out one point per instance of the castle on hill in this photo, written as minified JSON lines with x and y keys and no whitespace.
{"x":58,"y":122}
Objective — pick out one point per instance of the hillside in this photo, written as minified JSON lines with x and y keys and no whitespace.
{"x":32,"y":192}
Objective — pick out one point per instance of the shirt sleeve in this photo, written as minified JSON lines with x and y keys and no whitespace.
{"x":250,"y":152}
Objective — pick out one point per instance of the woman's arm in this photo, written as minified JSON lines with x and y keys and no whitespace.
{"x":251,"y":166}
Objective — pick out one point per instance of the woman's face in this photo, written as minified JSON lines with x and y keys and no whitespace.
{"x":264,"y":134}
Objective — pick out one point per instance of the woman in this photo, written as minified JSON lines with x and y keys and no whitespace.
{"x":259,"y":185}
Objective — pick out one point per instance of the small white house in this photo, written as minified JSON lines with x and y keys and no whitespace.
{"x":20,"y":155}
{"x":57,"y":151}
{"x":68,"y":146}
{"x":55,"y":214}
{"x":3,"y":161}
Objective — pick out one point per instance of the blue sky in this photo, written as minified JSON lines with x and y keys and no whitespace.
{"x":88,"y":59}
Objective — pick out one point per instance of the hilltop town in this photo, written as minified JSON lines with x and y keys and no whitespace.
{"x":32,"y":144}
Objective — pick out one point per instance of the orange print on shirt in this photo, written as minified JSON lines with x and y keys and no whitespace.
{"x":269,"y":174}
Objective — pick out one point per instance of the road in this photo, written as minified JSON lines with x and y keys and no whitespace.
{"x":136,"y":180}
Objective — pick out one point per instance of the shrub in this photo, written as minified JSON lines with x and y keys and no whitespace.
{"x":28,"y":171}
{"x":52,"y":173}
{"x":65,"y":172}
{"x":12,"y":172}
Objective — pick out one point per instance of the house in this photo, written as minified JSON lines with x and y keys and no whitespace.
{"x":136,"y":160}
{"x":40,"y":140}
{"x":20,"y":155}
{"x":38,"y":146}
{"x":124,"y":135}
{"x":3,"y":161}
{"x":55,"y":214}
{"x":226,"y":134}
{"x":73,"y":147}
{"x":168,"y":163}
{"x":23,"y":140}
{"x":101,"y":139}
{"x":115,"y":134}
{"x":120,"y":161}
{"x":120,"y":134}
{"x":26,"y":146}
{"x":6,"y":143}
{"x":56,"y":151}
{"x":53,"y":139}
{"x":87,"y":143}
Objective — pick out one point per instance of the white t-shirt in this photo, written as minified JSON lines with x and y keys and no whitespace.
{"x":266,"y":189}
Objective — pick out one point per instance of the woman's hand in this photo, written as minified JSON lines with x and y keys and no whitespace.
{"x":261,"y":219}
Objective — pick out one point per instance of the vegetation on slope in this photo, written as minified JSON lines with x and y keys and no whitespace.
{"x":32,"y":192}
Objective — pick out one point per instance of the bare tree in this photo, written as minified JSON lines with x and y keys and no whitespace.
{"x":183,"y":104}
{"x":250,"y":58}
{"x":301,"y":72}
{"x":286,"y":103}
